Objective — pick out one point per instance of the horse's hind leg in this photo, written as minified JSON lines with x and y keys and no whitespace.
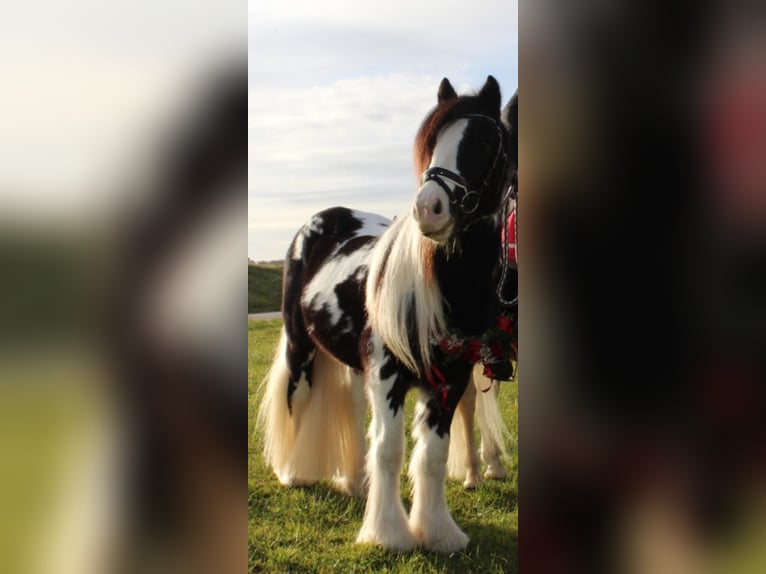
{"x":300,"y":361}
{"x":463,"y":460}
{"x":430,"y":519}
{"x":286,"y":394}
{"x":492,"y":428}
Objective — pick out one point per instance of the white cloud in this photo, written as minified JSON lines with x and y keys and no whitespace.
{"x":442,"y":19}
{"x":338,"y":90}
{"x":347,"y":143}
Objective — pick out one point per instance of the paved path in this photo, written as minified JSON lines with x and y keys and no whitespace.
{"x":264,"y":316}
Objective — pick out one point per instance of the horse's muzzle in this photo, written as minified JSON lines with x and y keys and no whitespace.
{"x":432,"y":212}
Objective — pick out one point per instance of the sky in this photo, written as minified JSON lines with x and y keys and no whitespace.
{"x":90,"y":90}
{"x":337,"y":91}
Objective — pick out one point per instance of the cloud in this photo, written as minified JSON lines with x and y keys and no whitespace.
{"x":433,"y":20}
{"x":338,"y":91}
{"x":347,"y":143}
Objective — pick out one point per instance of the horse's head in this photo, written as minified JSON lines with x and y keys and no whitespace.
{"x":461,"y":154}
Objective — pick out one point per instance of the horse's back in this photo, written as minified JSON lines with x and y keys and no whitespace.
{"x":325,"y":276}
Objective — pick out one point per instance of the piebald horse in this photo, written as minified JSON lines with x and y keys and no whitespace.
{"x":366,"y":305}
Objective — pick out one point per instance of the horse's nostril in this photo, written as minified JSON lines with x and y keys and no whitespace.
{"x":438,"y":207}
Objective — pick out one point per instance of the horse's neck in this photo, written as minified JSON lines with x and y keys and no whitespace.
{"x":468,"y":278}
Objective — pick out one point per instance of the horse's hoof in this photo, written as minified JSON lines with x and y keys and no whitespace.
{"x":443,"y":536}
{"x":396,"y":541}
{"x":471,"y":481}
{"x":456,"y":541}
{"x":495,"y":471}
{"x":347,"y":486}
{"x":290,"y":481}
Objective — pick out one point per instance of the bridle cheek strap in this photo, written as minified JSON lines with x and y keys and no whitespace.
{"x":460,"y":195}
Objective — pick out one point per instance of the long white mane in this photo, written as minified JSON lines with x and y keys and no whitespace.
{"x":401,"y":288}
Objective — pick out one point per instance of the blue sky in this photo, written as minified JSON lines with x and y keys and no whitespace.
{"x":337,"y":90}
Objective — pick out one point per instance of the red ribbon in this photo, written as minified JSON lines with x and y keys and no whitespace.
{"x":439,"y":387}
{"x":509,"y":231}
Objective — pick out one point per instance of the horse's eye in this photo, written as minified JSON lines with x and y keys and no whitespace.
{"x":486,"y":144}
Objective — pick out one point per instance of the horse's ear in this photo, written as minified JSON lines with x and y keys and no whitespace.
{"x":490,"y":96}
{"x":510,"y":118}
{"x":446,"y":91}
{"x":510,"y":115}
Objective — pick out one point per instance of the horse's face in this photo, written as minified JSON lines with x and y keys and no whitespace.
{"x":463,"y":180}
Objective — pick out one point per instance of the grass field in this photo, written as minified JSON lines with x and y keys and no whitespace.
{"x":264,"y":287}
{"x":313,"y":529}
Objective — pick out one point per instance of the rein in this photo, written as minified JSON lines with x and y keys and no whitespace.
{"x":461,"y":196}
{"x":504,"y":258}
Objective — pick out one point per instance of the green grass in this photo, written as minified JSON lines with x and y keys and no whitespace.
{"x":313,"y":529}
{"x":264,"y":287}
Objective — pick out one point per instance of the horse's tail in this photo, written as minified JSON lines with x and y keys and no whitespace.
{"x":273,"y":416}
{"x":319,"y":440}
{"x":494,"y":432}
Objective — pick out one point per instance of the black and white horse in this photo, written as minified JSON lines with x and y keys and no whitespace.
{"x":482,"y":407}
{"x":367,"y":304}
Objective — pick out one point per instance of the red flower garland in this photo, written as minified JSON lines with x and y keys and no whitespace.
{"x":495,"y":346}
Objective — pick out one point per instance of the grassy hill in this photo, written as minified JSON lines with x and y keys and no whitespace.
{"x":264,"y":287}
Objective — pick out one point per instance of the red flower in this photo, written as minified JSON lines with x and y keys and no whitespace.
{"x":497,"y":350}
{"x":473,"y":352}
{"x":504,"y":324}
{"x":450,"y":345}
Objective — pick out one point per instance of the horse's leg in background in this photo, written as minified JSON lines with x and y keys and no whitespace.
{"x":463,"y":460}
{"x":430,"y":519}
{"x":491,"y":426}
{"x":385,"y":520}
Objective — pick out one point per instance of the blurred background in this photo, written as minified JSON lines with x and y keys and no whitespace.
{"x":123,"y":218}
{"x":123,"y":241}
{"x":642,"y":256}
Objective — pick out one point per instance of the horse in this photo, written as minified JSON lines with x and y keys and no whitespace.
{"x":367,"y":305}
{"x":482,"y":407}
{"x":463,"y":459}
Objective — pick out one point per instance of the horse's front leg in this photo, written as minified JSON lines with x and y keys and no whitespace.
{"x":430,"y":519}
{"x":385,"y":521}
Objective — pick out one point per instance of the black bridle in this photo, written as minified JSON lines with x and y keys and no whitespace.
{"x":461,"y":196}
